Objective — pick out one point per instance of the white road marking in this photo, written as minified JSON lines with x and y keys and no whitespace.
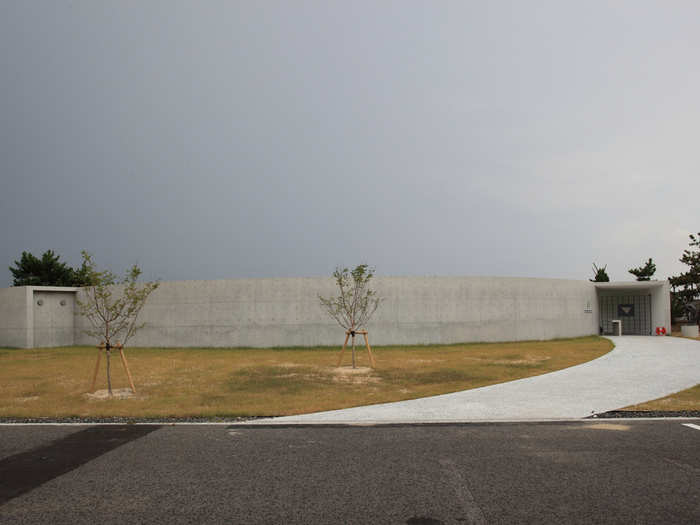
{"x":690,"y":425}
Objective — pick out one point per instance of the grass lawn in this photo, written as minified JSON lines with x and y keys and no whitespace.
{"x":684,"y":400}
{"x":52,"y":382}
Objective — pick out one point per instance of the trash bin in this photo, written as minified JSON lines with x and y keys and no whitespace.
{"x":617,"y":327}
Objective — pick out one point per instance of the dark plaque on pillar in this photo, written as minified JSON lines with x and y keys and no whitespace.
{"x":625,"y":310}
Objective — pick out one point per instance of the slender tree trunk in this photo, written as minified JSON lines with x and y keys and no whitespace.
{"x":353,"y":349}
{"x":352,"y":333}
{"x":109,"y":376}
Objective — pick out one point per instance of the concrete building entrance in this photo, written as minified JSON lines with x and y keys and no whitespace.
{"x":640,"y":306}
{"x":633,"y":311}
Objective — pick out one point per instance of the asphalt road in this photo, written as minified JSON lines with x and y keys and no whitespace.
{"x":579,"y":472}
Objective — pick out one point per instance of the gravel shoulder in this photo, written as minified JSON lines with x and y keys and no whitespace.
{"x":614,"y":414}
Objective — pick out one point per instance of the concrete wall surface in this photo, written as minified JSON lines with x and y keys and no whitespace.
{"x":286,"y":312}
{"x":54,"y":317}
{"x":16,"y":321}
{"x":415,"y":310}
{"x":661,"y":306}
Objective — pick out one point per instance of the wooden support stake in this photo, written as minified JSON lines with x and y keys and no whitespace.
{"x":369,"y":351}
{"x":347,"y":336}
{"x":97,"y":368}
{"x":126,"y":367}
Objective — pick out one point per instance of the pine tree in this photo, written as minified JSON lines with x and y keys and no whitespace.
{"x":686,"y":286}
{"x":600,"y":275}
{"x":47,"y":271}
{"x":644,"y":273}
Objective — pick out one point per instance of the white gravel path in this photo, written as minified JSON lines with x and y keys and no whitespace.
{"x":638,"y":369}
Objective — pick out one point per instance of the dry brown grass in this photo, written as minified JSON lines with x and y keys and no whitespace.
{"x":684,"y":400}
{"x":244,"y":382}
{"x":677,"y":333}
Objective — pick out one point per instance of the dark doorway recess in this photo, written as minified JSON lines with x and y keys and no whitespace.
{"x":634,"y":311}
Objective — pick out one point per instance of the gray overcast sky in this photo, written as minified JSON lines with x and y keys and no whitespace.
{"x":207,"y":140}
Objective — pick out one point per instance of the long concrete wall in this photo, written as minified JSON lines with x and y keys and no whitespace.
{"x":415,"y":310}
{"x":286,"y":312}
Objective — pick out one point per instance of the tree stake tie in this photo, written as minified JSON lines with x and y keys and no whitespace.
{"x":107,"y":348}
{"x":364,"y":334}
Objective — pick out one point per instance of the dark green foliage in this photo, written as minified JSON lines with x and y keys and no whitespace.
{"x":686,"y":286}
{"x":47,"y":271}
{"x":644,"y":273}
{"x":677,"y":306}
{"x":599,"y":274}
{"x":83,"y":275}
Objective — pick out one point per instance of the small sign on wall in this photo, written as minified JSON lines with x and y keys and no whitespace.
{"x":625,"y":310}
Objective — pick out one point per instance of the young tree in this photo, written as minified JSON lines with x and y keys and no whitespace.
{"x":355,"y":304}
{"x":686,"y":286}
{"x":600,"y":275}
{"x":644,"y":273}
{"x":112,"y":310}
